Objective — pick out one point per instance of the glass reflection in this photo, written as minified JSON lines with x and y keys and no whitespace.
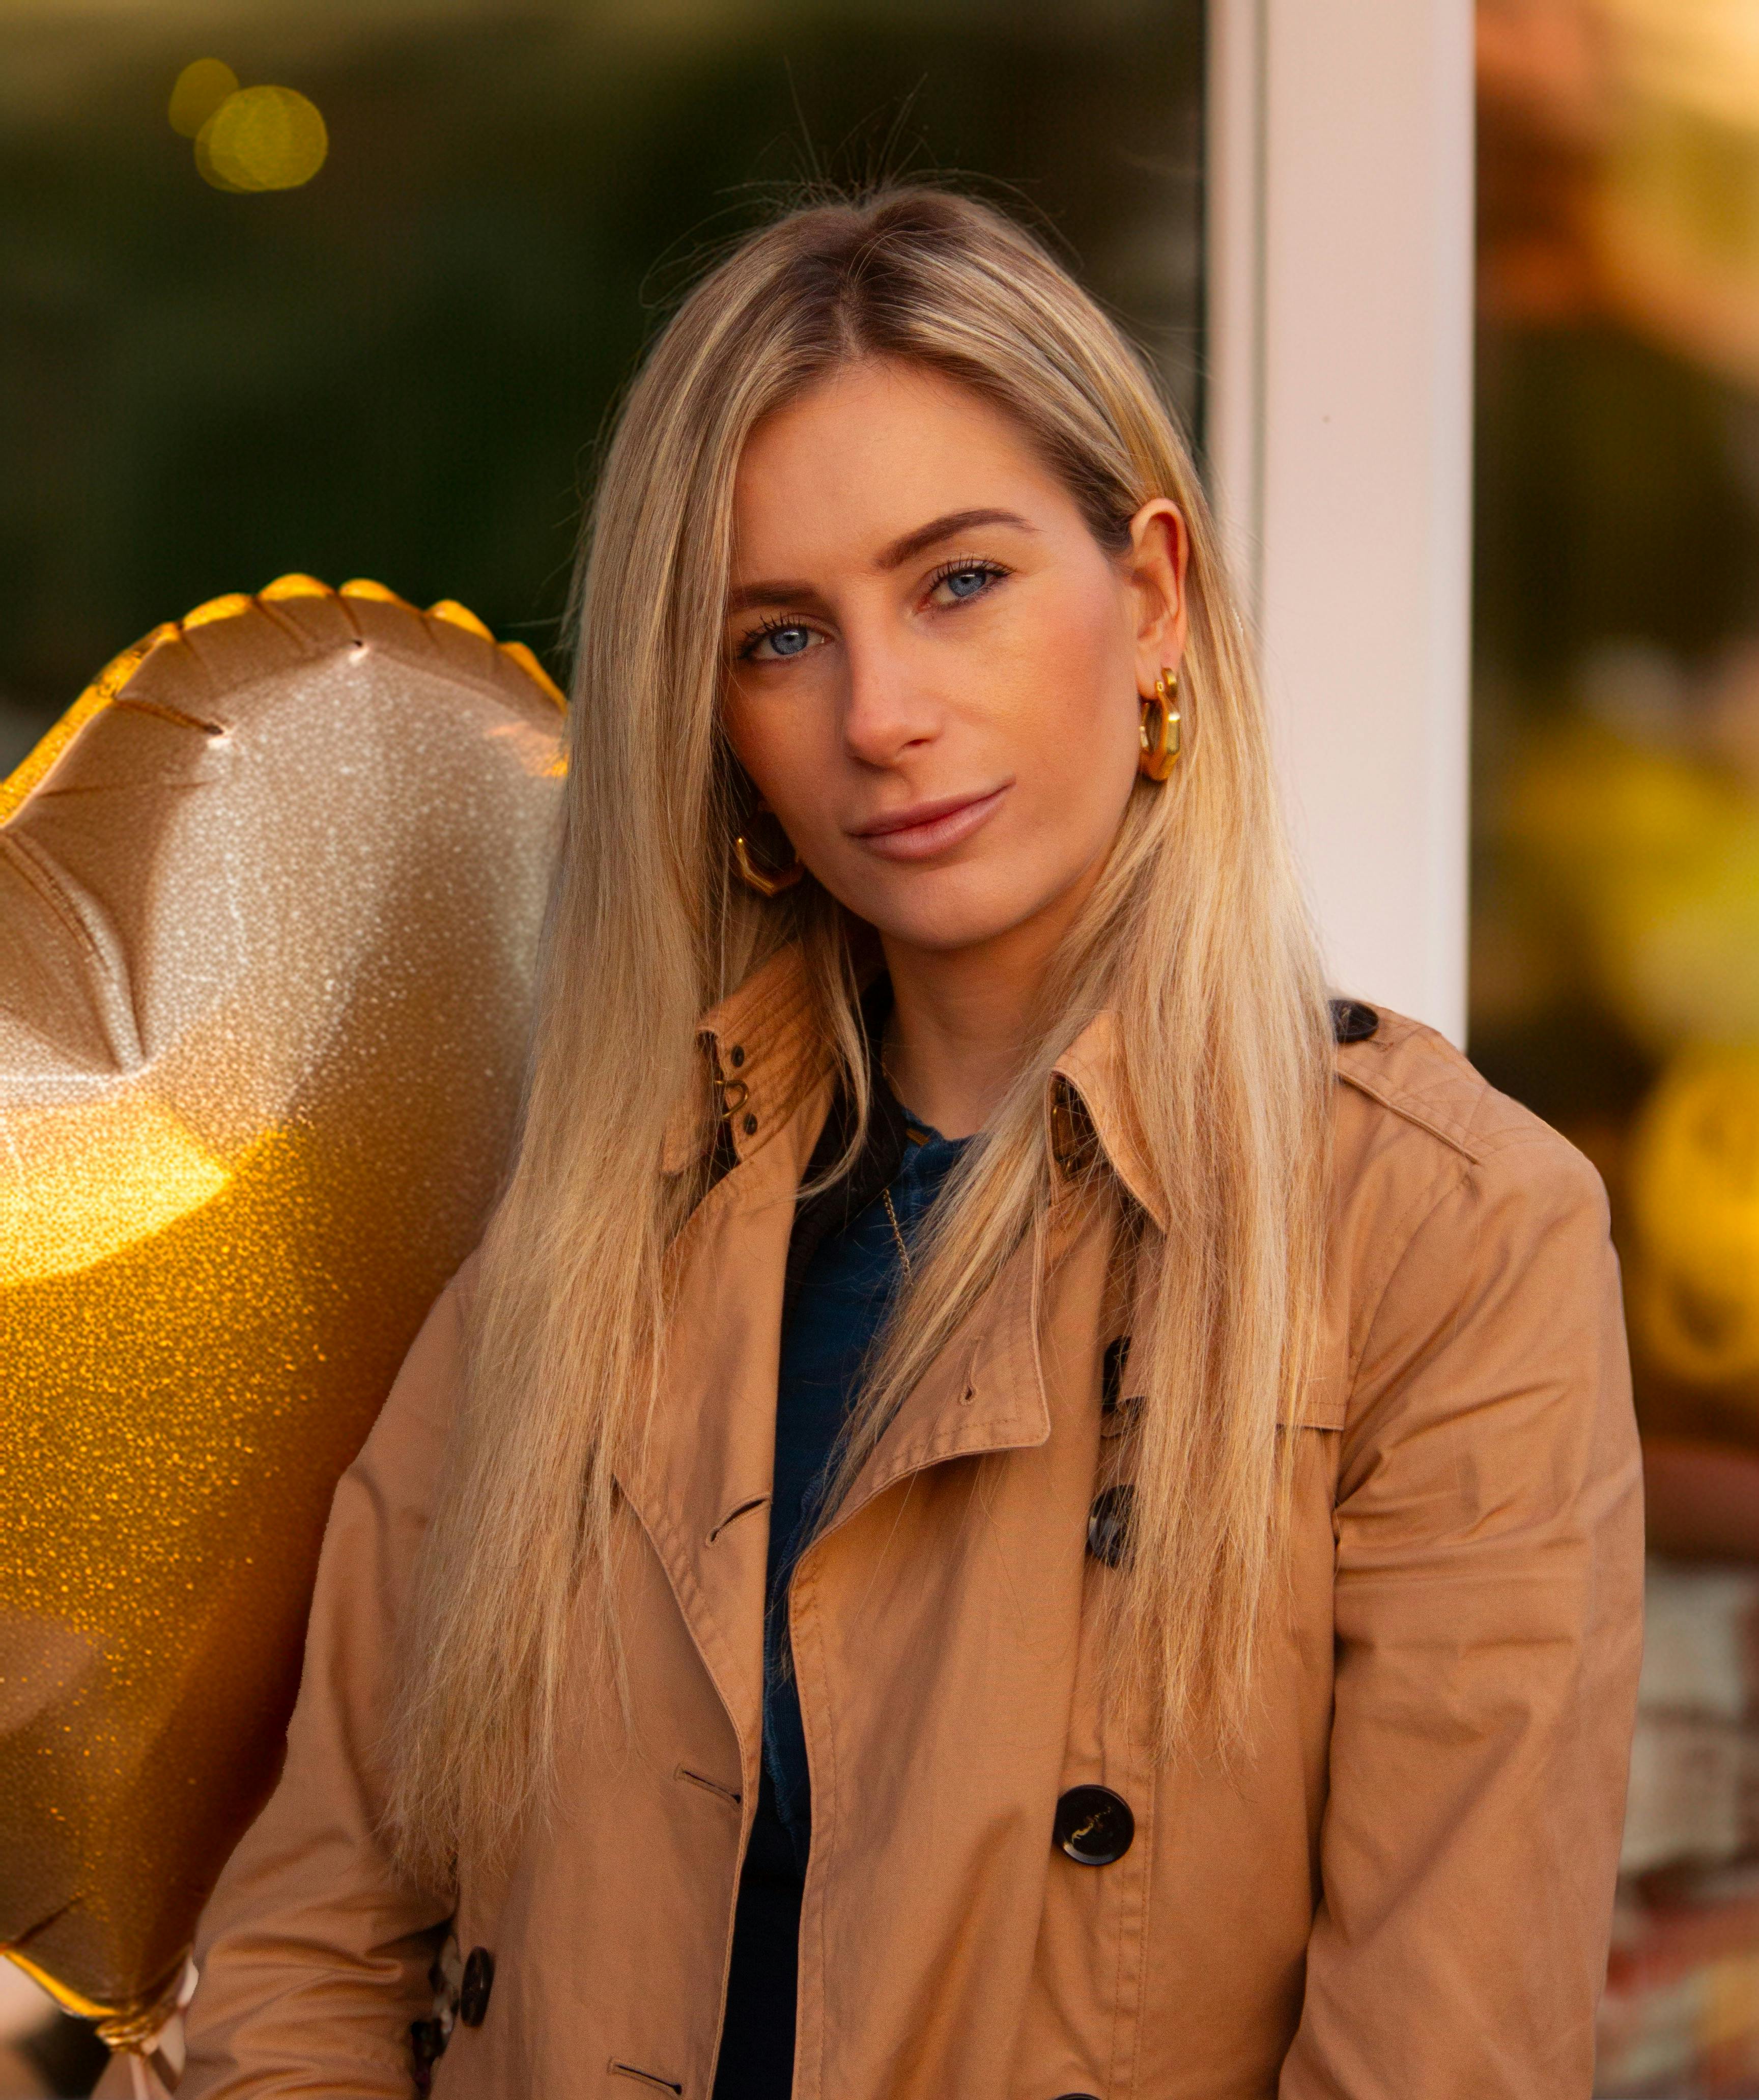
{"x":1615,"y":919}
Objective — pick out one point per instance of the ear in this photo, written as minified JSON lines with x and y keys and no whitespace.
{"x":1155,"y":562}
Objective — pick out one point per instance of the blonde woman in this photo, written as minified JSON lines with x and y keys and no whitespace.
{"x":1017,"y":1505}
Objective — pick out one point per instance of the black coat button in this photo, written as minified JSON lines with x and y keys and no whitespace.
{"x":1108,"y":1524}
{"x":478,"y":1981}
{"x":1351,"y":1021}
{"x":1093,"y":1826}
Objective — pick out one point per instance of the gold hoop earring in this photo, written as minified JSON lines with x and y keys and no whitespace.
{"x":766,"y":881}
{"x":1159,"y":729}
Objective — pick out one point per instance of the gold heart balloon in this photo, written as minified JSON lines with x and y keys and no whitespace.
{"x":270,"y":897}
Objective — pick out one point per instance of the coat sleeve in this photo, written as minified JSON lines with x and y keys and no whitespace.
{"x":312,"y":1954}
{"x":1488,"y":1606}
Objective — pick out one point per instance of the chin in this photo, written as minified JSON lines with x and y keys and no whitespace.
{"x":943,"y":914}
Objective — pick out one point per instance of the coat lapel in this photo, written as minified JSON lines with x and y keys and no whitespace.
{"x":984,"y":1392}
{"x":702,"y":1487}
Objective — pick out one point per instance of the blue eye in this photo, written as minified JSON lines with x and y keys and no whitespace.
{"x":961,"y":581}
{"x":786,"y":638}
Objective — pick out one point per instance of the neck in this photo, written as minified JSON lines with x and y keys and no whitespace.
{"x":960,"y":1018}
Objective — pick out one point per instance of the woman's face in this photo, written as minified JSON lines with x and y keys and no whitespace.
{"x":934,"y":667}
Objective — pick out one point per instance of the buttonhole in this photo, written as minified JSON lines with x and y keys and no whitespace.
{"x":710,"y":1785}
{"x":647,"y":2077}
{"x":973,"y":1361}
{"x":741,"y":1509}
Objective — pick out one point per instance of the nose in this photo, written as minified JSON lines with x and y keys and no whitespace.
{"x":887,"y":709}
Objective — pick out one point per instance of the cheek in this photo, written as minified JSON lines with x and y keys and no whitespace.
{"x":754,"y":732}
{"x":1073,"y":706}
{"x":780,"y":747}
{"x":746,"y":729}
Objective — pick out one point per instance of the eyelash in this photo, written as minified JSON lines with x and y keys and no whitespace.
{"x":964,"y":567}
{"x":779,"y":623}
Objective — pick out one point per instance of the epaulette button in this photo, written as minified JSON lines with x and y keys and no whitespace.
{"x":1351,"y":1021}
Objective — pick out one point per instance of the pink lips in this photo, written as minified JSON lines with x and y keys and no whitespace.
{"x":927,"y":828}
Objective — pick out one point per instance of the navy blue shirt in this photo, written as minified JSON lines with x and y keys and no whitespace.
{"x":844,"y":1296}
{"x":843,"y":1293}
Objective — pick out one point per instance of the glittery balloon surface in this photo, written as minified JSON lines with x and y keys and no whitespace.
{"x":269,"y":904}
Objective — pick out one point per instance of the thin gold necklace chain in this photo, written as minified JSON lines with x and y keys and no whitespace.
{"x":903,"y":1251}
{"x":897,"y":1231}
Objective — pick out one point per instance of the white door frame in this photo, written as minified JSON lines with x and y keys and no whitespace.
{"x":1338,"y":430}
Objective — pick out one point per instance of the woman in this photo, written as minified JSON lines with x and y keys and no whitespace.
{"x":1014,"y":1504}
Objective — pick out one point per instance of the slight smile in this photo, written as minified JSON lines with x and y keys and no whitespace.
{"x":927,"y":828}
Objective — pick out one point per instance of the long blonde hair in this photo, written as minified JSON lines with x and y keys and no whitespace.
{"x":1196,"y":940}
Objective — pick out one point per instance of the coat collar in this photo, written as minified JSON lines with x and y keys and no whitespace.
{"x":767,"y":1056}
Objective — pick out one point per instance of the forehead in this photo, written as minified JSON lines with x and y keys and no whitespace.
{"x":870,"y":454}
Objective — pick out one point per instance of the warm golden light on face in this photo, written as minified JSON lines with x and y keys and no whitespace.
{"x":921,"y":624}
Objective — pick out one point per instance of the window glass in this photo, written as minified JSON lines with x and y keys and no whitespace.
{"x":1614,"y":979}
{"x":400,"y":368}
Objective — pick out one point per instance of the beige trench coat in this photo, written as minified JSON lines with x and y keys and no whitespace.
{"x":1403,"y":1892}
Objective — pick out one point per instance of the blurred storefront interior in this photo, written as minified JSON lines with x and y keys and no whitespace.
{"x":1614,"y":952}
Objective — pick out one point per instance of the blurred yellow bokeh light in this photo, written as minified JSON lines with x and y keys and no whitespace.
{"x":1694,"y":1187}
{"x":200,"y":90}
{"x":262,"y":138}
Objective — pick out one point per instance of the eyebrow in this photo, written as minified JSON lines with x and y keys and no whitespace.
{"x":750,"y":596}
{"x":927,"y":535}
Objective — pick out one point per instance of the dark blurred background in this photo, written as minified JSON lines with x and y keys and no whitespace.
{"x":401,"y":368}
